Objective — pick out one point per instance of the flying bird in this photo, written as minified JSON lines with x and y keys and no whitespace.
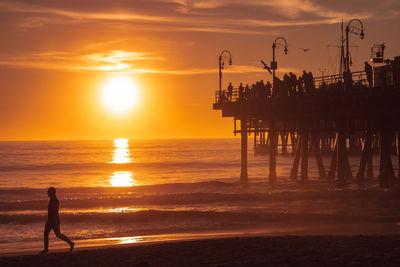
{"x":305,"y":49}
{"x":266,"y":67}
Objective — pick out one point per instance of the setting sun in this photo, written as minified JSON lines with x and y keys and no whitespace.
{"x":119,"y":94}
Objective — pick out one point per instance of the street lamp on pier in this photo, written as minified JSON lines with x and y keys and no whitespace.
{"x":272,"y":134}
{"x":274,"y":64}
{"x":225,"y":54}
{"x":355,"y":30}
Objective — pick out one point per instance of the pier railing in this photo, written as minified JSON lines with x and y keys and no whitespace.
{"x":359,"y":77}
{"x":319,"y":83}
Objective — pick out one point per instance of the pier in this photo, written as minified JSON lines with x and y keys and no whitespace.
{"x":352,"y":113}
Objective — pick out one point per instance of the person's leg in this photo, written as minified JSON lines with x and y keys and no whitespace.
{"x":46,"y":233}
{"x":56,"y":229}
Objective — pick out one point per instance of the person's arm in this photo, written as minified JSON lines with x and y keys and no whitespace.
{"x":53,"y":210}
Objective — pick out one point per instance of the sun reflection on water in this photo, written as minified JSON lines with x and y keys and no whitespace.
{"x":122,"y":179}
{"x":121,"y":151}
{"x":121,"y":210}
{"x":129,"y":240}
{"x":121,"y":155}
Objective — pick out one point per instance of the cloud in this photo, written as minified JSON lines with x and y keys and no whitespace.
{"x":239,"y":69}
{"x":233,"y":16}
{"x":114,"y":61}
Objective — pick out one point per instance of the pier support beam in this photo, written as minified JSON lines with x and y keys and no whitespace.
{"x":386,"y":173}
{"x":256,"y":131}
{"x":365,"y":156}
{"x":293,"y":140}
{"x":284,"y":142}
{"x":348,"y":173}
{"x":333,"y":167}
{"x":243,"y":133}
{"x":295,"y":168}
{"x":304,"y":155}
{"x":398,"y":152}
{"x":273,"y":138}
{"x":317,"y":151}
{"x":341,"y":158}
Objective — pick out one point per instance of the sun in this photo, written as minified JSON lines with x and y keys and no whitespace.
{"x":120,"y":94}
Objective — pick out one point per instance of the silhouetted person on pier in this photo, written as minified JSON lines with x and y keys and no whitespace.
{"x":257,"y":91}
{"x":230,"y":91}
{"x":300,"y":88}
{"x":368,"y":71}
{"x":286,"y":86}
{"x":53,"y":221}
{"x":263,"y":92}
{"x":305,"y":80}
{"x":308,"y":81}
{"x":268,"y":88}
{"x":252,"y":95}
{"x":262,"y":85}
{"x":293,"y":81}
{"x":241,"y":91}
{"x":246,"y":91}
{"x":277,"y":85}
{"x":311,"y":81}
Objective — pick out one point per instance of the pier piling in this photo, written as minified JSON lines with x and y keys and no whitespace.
{"x":243,"y":133}
{"x":273,"y":142}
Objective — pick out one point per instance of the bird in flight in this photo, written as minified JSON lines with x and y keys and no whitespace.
{"x":266,"y":67}
{"x":305,"y":49}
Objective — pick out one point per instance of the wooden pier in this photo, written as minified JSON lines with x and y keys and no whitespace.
{"x":335,"y":116}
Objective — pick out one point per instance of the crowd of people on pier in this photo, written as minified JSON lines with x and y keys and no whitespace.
{"x":289,"y":86}
{"x":293,"y":86}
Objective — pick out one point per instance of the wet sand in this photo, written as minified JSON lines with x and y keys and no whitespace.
{"x":359,"y":250}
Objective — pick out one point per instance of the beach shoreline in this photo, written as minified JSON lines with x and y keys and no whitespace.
{"x":291,"y":250}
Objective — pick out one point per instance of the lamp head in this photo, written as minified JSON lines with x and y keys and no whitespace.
{"x":286,"y":50}
{"x":230,"y":61}
{"x":362,"y":35}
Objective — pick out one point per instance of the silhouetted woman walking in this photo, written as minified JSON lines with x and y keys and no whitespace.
{"x":53,"y":221}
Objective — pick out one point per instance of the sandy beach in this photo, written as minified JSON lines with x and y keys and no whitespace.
{"x":360,"y":250}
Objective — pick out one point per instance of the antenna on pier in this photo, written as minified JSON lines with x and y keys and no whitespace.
{"x":342,"y":65}
{"x":341,"y":46}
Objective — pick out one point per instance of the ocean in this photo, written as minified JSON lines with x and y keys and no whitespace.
{"x":126,"y":189}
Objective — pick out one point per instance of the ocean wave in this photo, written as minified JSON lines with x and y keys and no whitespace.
{"x":229,"y":193}
{"x":108,"y":166}
{"x":151,"y":216}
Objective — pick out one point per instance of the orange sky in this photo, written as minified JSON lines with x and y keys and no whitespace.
{"x":56,"y":56}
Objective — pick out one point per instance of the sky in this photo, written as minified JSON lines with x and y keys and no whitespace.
{"x":56,"y":56}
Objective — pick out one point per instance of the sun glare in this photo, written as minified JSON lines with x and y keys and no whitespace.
{"x":122,"y":179}
{"x":120,"y":94}
{"x":121,"y":151}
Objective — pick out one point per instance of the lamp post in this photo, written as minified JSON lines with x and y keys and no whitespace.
{"x":225,"y":54}
{"x":354,"y":30}
{"x":274,"y":64}
{"x":273,"y":135}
